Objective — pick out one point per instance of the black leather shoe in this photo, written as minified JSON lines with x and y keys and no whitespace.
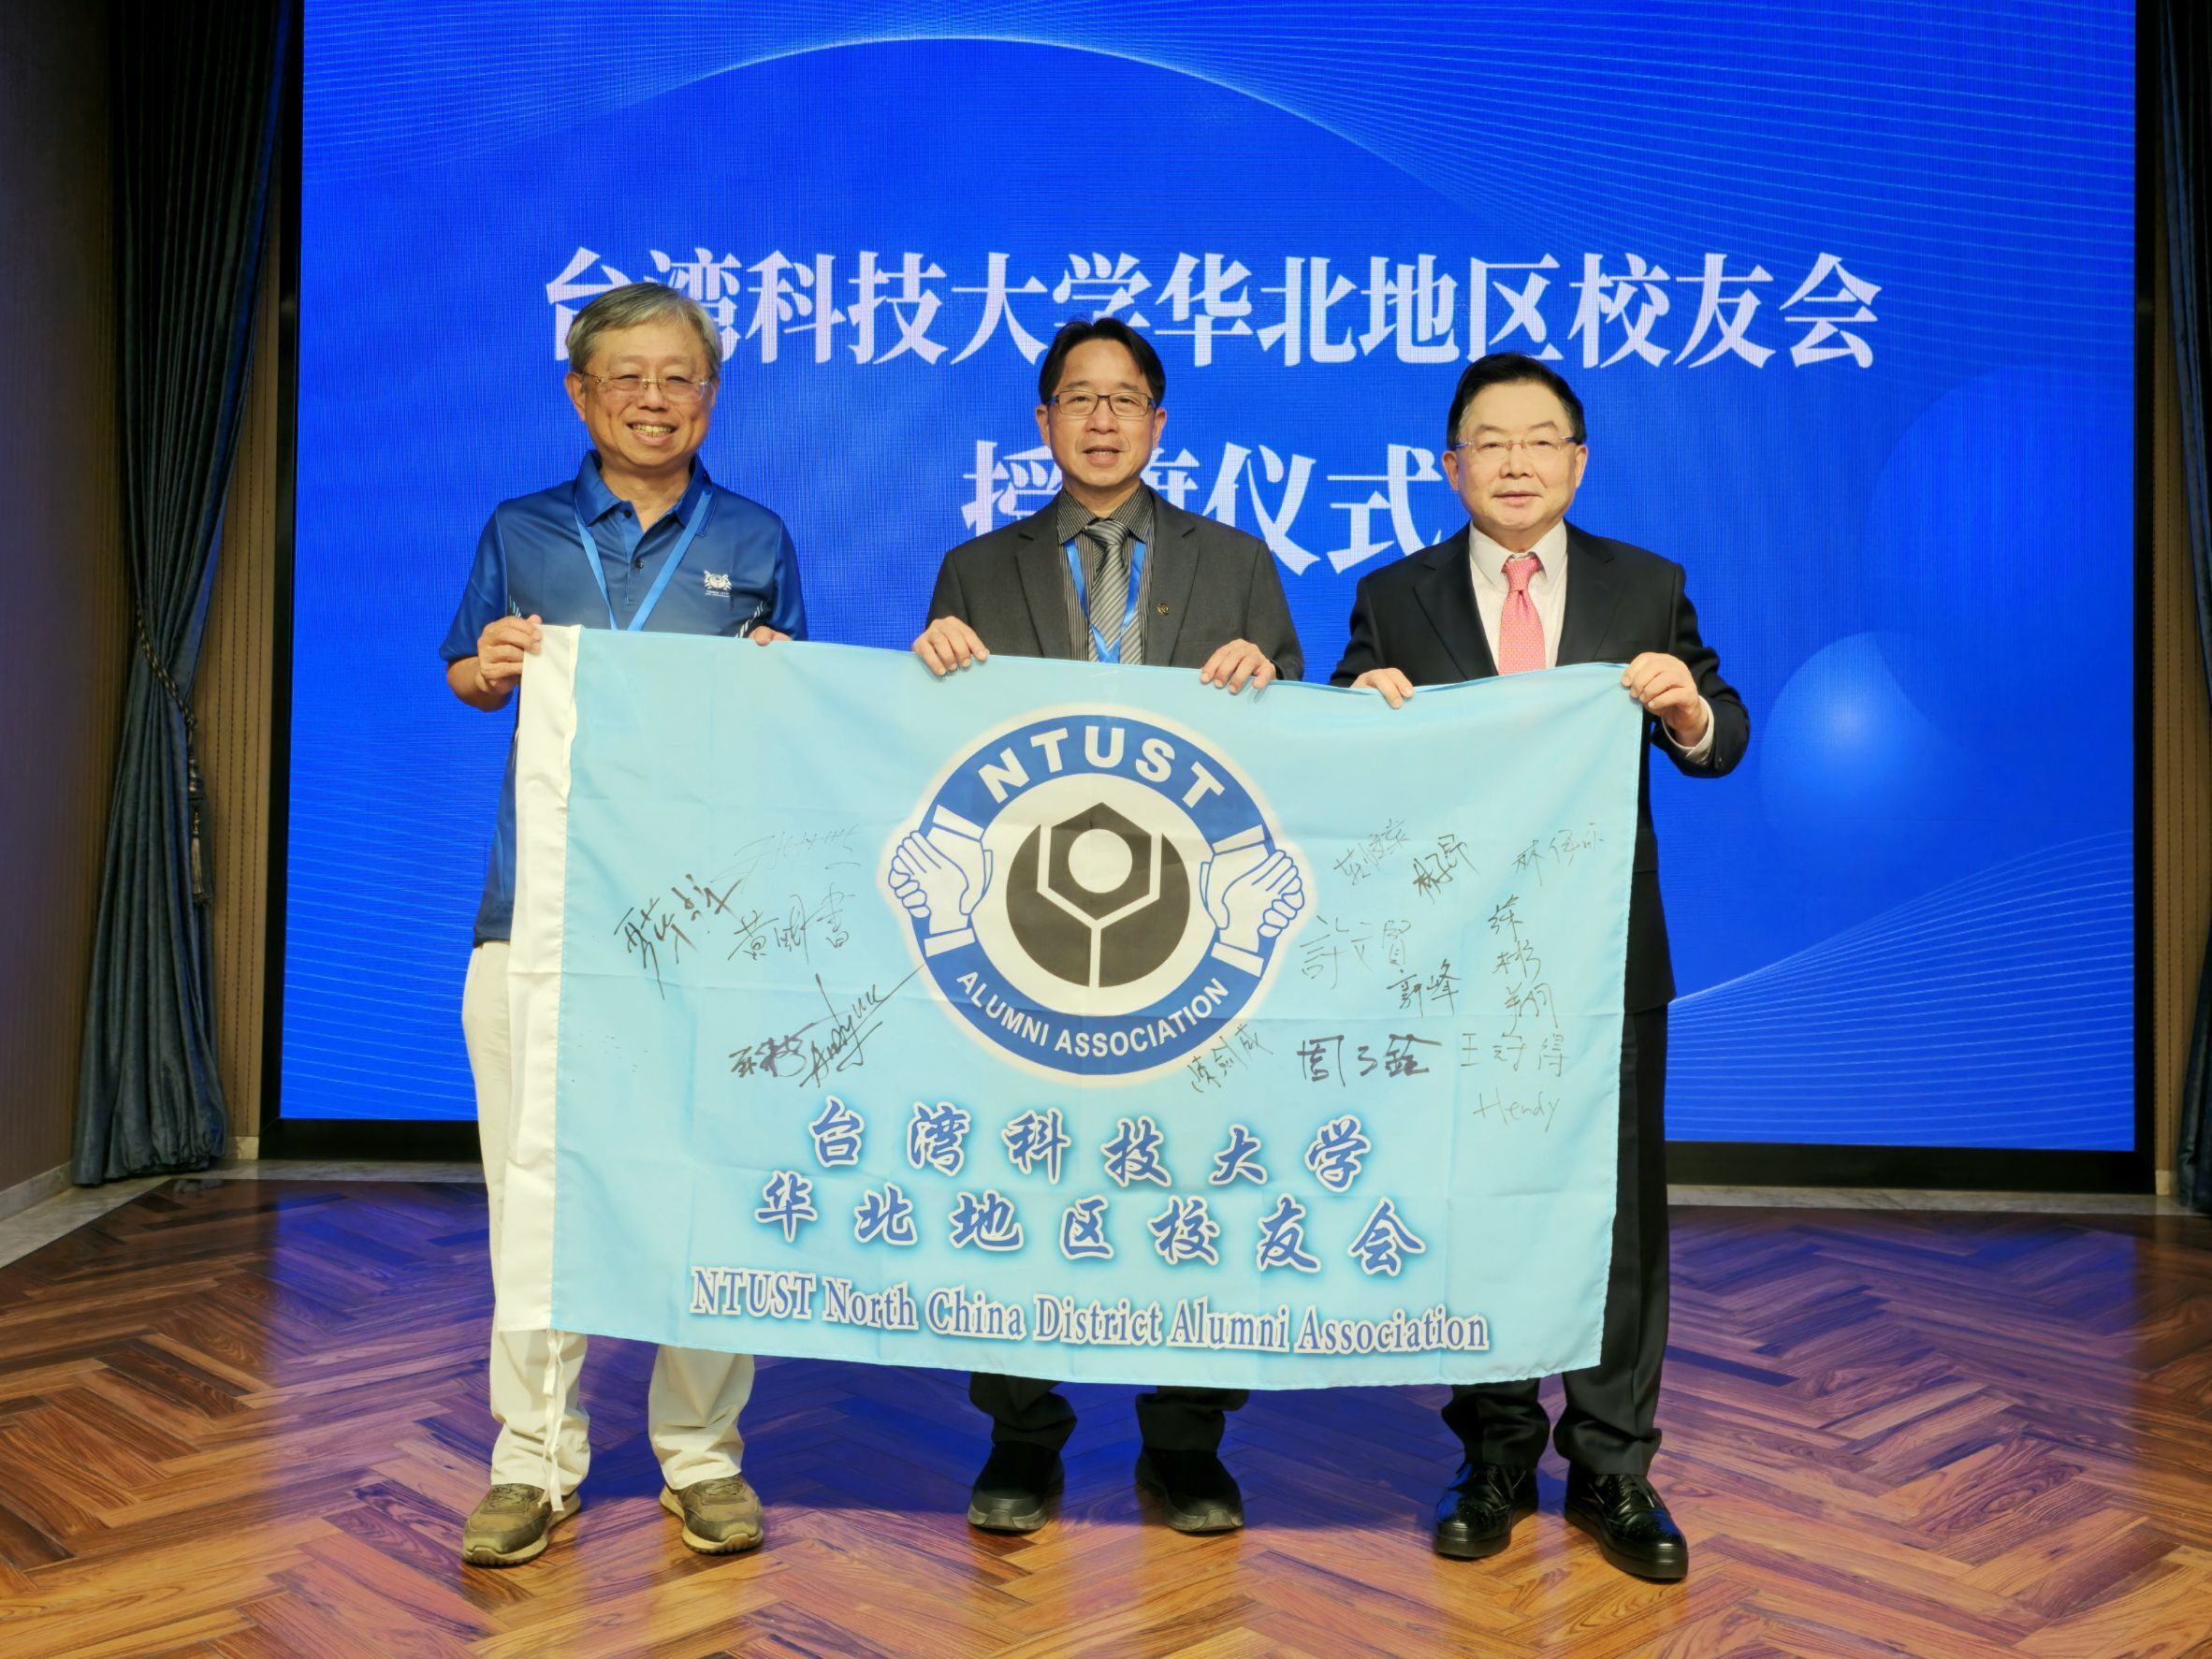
{"x":1475,"y":1517}
{"x":1629,"y":1522}
{"x":1197,"y":1493}
{"x":1014,"y":1491}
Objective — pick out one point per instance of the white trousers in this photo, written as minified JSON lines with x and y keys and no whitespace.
{"x":692,"y":1407}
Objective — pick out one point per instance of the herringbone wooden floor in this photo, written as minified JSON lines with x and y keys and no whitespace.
{"x":245,"y":1419}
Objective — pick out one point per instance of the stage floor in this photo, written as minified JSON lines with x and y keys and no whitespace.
{"x":245,"y":1417}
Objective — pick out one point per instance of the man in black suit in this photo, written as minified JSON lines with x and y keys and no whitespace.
{"x":1521,"y":589}
{"x":1109,"y":571}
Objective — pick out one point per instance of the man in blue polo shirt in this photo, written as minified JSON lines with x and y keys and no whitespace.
{"x":640,"y":538}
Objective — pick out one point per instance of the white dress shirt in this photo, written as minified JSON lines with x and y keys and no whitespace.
{"x":1547,"y":591}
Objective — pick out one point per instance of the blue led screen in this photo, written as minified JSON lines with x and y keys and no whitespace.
{"x":1848,"y":294}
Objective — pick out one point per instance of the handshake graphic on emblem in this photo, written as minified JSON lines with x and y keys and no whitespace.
{"x":1251,"y":892}
{"x":940,"y":875}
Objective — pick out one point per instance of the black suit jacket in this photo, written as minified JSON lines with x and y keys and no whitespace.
{"x":1419,"y":617}
{"x":1208,"y":585}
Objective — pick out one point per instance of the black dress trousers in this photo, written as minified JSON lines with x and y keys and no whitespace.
{"x":1609,"y":1424}
{"x":1031,"y":1410}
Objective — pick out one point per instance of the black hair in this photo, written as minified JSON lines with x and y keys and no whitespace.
{"x":1074,"y":333}
{"x":1506,"y":368}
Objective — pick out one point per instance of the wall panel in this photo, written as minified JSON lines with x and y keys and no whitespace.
{"x":2180,"y":748}
{"x":238,"y":660}
{"x":64,"y":632}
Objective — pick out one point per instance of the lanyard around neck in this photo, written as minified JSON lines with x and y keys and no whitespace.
{"x":676,"y":557}
{"x":1106,"y":653}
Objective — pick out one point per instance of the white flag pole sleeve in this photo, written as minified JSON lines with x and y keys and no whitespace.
{"x":546,"y":729}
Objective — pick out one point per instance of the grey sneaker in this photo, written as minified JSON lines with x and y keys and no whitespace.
{"x":720,"y":1515}
{"x":511,"y":1525}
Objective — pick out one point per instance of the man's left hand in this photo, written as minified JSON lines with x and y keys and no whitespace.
{"x":1663,"y":684}
{"x":765,"y":635}
{"x":1234,"y":663}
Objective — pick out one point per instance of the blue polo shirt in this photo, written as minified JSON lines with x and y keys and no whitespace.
{"x":738,"y":573}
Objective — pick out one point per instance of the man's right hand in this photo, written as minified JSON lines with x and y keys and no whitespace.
{"x":1390,"y":682}
{"x":948,"y":643}
{"x":500,"y":652}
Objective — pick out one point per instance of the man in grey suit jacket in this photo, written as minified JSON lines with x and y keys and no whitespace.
{"x":1109,"y":571}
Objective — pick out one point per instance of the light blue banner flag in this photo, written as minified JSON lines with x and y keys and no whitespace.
{"x":1063,"y":1020}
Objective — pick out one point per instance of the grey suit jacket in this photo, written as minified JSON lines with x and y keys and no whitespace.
{"x":1207,"y":585}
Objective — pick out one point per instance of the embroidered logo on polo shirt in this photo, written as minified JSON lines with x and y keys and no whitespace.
{"x":717,"y":583}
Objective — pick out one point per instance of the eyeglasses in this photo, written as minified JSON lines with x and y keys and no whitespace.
{"x":1491,"y":452}
{"x":628,"y":388}
{"x":1078,"y":405}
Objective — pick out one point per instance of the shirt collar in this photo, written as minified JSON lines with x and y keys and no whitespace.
{"x":1134,"y":515}
{"x":595,"y":500}
{"x":1489,"y":559}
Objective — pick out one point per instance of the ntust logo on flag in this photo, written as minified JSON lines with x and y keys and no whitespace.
{"x":1095,"y":894}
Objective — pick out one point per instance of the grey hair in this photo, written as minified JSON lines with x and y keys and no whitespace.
{"x":640,"y":302}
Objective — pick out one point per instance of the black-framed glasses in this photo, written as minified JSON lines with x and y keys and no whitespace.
{"x":628,"y":388}
{"x":1080,"y":405}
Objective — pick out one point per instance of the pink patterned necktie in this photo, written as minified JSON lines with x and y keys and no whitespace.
{"x":1520,"y":635}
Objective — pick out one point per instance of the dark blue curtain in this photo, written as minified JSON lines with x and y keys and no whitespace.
{"x":2184,"y":76}
{"x":196,"y":94}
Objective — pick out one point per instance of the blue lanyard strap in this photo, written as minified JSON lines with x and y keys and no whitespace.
{"x":676,"y":557}
{"x":1106,"y":653}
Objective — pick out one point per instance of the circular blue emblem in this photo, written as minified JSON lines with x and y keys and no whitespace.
{"x":1095,"y":893}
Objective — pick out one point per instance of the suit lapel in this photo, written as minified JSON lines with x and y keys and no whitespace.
{"x":1174,"y":556}
{"x":1045,"y":584}
{"x":1447,"y":592}
{"x":1593,"y":593}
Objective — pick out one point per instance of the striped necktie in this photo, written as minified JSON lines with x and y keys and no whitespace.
{"x":1109,"y":591}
